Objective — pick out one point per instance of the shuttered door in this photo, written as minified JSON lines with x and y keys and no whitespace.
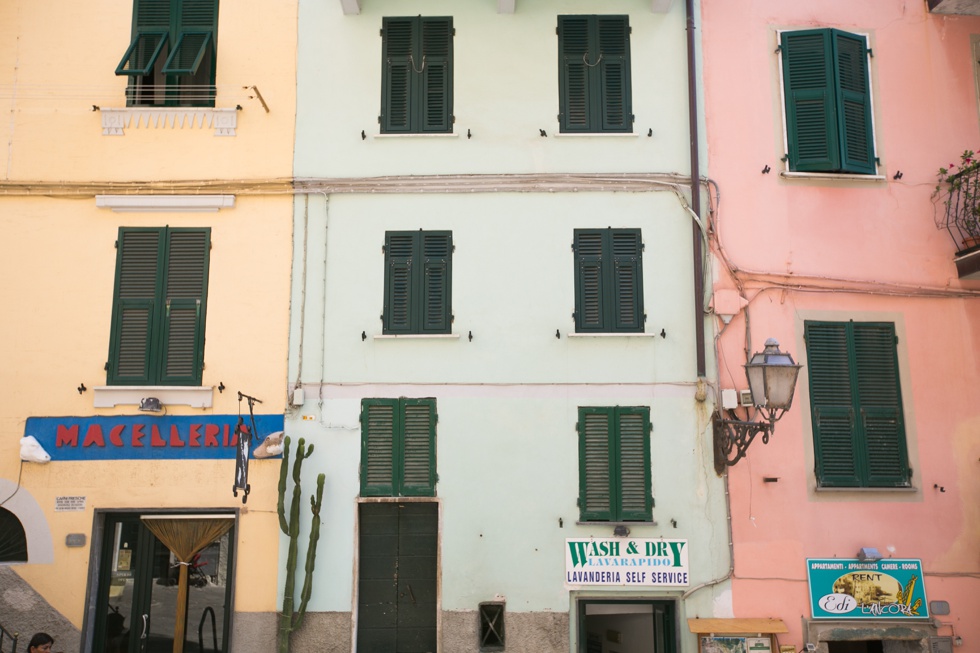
{"x":397,"y":571}
{"x":417,"y":75}
{"x":854,"y":94}
{"x":614,"y":464}
{"x":633,"y":452}
{"x":398,"y":447}
{"x":594,"y":74}
{"x":608,"y":281}
{"x":185,"y":298}
{"x":132,"y":360}
{"x":418,"y":447}
{"x":379,"y":425}
{"x":811,"y":110}
{"x":595,"y":472}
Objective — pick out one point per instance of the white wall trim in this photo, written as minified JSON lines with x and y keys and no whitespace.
{"x":110,"y":396}
{"x":417,"y":336}
{"x":223,"y":121}
{"x":40,"y":547}
{"x":164,"y":203}
{"x":351,"y":7}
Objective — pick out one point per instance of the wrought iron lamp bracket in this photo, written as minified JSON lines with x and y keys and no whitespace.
{"x":733,"y":436}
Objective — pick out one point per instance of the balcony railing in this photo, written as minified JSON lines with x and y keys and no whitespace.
{"x":959,"y":206}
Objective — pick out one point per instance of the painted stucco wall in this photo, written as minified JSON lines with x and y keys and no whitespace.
{"x":57,"y":262}
{"x":868,"y":250}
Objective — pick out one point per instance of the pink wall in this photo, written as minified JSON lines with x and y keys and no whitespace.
{"x":839,"y":250}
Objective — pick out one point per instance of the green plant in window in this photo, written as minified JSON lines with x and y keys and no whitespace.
{"x":291,"y":619}
{"x":959,"y":188}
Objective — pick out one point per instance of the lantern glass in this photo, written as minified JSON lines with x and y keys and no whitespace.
{"x":772,"y":377}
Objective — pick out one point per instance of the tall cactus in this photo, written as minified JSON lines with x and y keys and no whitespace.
{"x":291,"y":620}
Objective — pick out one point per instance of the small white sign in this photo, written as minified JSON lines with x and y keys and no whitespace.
{"x":69,"y":504}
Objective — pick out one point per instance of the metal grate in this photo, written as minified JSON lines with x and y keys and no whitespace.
{"x":491,"y":626}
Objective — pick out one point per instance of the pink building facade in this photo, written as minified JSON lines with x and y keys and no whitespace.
{"x":827,"y":124}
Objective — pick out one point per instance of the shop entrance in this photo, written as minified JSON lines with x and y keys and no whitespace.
{"x":870,"y":646}
{"x":139,"y":600}
{"x":635,"y":626}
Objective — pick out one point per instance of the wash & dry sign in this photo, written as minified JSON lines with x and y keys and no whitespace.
{"x":854,"y":589}
{"x":626,"y":562}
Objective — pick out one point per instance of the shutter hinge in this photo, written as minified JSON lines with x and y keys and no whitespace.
{"x":381,"y":32}
{"x":644,"y":318}
{"x":116,"y":244}
{"x":574,"y":316}
{"x":454,"y":31}
{"x":896,"y":338}
{"x":384,"y":249}
{"x":653,"y":502}
{"x":877,"y":161}
{"x":784,"y":158}
{"x":556,"y":32}
{"x":871,"y":53}
{"x":454,"y":120}
{"x":379,"y":120}
{"x":779,"y":48}
{"x":632,"y":118}
{"x":107,"y":366}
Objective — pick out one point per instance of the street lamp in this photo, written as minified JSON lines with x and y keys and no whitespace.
{"x":772,"y":381}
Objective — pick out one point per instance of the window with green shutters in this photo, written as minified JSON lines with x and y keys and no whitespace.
{"x":594,"y":74}
{"x":417,"y":75}
{"x":159,"y":306}
{"x":608,"y":281}
{"x":856,"y":405}
{"x":170,"y":60}
{"x":828,"y":101}
{"x":614,"y":464}
{"x":418,"y":282}
{"x":398,"y":447}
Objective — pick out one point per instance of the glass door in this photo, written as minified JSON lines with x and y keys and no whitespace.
{"x":138,"y":592}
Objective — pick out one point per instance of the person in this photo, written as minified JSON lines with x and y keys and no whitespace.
{"x":40,"y":643}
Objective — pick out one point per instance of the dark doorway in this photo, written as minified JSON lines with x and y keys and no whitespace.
{"x":397,"y":592}
{"x":631,"y":626}
{"x":869,"y":646}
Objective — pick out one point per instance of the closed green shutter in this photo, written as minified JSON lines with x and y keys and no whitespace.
{"x":594,"y":74}
{"x":159,"y":307}
{"x":828,"y":101}
{"x":418,"y":282}
{"x":398,"y":455}
{"x":417,"y":75}
{"x":855,"y":397}
{"x":614,"y":464}
{"x":608,"y":280}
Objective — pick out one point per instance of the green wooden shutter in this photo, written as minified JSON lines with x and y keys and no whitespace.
{"x":436,"y":79}
{"x":135,"y":305}
{"x":197,"y":27}
{"x":436,"y":270}
{"x":832,"y":405}
{"x":151,"y":29}
{"x":590,"y":272}
{"x":396,"y":77}
{"x":418,"y":450}
{"x":633,"y":454}
{"x":573,"y":74}
{"x":811,"y":109}
{"x":627,"y":280}
{"x":595,"y":427}
{"x":400,"y":292}
{"x":185,"y":300}
{"x":615,"y":103}
{"x":853,"y":91}
{"x":880,"y":397}
{"x":380,"y":421}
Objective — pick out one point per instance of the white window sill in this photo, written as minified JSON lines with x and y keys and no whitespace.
{"x":439,"y":135}
{"x":597,"y":134}
{"x":831,"y":175}
{"x":613,"y":335}
{"x":417,"y":336}
{"x":164,"y":203}
{"x":867,"y":490}
{"x":110,"y":396}
{"x":224,"y":122}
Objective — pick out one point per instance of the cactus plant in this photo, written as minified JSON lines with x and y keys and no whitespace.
{"x":290,"y":619}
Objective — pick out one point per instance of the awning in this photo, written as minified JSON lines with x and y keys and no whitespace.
{"x":737,"y":626}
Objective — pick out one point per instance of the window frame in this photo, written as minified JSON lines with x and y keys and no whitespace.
{"x":599,"y":301}
{"x":598,"y":104}
{"x":428,"y":106}
{"x":841,"y":425}
{"x":590,"y":452}
{"x":412,"y":305}
{"x":835,"y":166}
{"x":163,"y":313}
{"x":386,"y":476}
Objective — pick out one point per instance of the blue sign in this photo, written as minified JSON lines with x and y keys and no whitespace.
{"x":889,"y":589}
{"x":140,"y":437}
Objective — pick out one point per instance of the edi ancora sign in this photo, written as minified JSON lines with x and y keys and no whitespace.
{"x":854,"y":589}
{"x":622,"y":561}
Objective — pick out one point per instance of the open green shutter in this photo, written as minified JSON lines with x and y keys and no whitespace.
{"x":436,"y":79}
{"x":198,"y":23}
{"x":135,"y":306}
{"x":627,"y":280}
{"x":880,"y":397}
{"x":185,"y":300}
{"x":853,"y":90}
{"x":396,"y":74}
{"x":595,"y":427}
{"x":379,"y":426}
{"x":573,"y":73}
{"x":436,"y":271}
{"x":832,"y":404}
{"x":400,"y":293}
{"x":418,"y":450}
{"x":633,"y":452}
{"x":151,"y":29}
{"x":590,"y":268}
{"x":615,"y":102}
{"x":811,"y":112}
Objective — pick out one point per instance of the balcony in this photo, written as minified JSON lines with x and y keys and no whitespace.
{"x":961,"y":7}
{"x":958,"y":212}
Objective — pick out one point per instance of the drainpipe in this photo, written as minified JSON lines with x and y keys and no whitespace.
{"x":692,"y":100}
